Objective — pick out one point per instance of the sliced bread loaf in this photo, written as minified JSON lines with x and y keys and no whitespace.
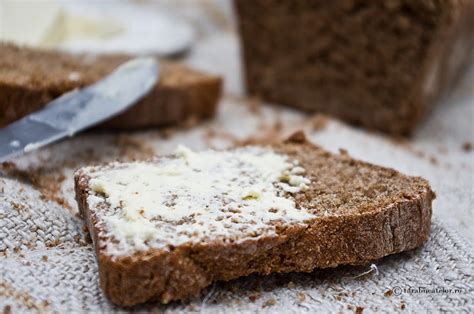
{"x":166,"y":228}
{"x":30,"y":78}
{"x":380,"y":64}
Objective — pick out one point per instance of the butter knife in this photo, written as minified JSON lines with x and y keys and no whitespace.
{"x":80,"y":109}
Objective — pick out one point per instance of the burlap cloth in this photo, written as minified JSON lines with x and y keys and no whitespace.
{"x":64,"y":279}
{"x":48,"y":265}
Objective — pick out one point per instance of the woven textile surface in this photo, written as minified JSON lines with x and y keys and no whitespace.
{"x":47,"y":263}
{"x":63,"y":277}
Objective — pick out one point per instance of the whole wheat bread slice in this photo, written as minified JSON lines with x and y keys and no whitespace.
{"x":30,"y":78}
{"x":360,"y":213}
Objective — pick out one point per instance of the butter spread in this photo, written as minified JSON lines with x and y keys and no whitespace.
{"x":196,"y":196}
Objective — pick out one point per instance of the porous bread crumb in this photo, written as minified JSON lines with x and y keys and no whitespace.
{"x":254,"y":104}
{"x":254,"y":296}
{"x":23,"y":297}
{"x":269,"y":302}
{"x":467,"y":146}
{"x":301,"y":296}
{"x":318,"y":122}
{"x":433,"y":160}
{"x":53,"y":243}
{"x":80,"y":241}
{"x":46,"y":180}
{"x":17,"y":206}
{"x":343,"y":151}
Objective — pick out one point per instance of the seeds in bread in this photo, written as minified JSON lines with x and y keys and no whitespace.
{"x":202,"y":217}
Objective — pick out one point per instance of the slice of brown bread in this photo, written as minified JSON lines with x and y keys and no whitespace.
{"x":379,"y":64}
{"x":30,"y":78}
{"x":355,"y":213}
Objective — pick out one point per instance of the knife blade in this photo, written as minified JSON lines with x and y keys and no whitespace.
{"x":80,"y":109}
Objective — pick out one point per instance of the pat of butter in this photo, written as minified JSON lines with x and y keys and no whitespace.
{"x":96,"y":186}
{"x":297,"y":180}
{"x":28,"y":22}
{"x":46,"y":24}
{"x":195,"y":196}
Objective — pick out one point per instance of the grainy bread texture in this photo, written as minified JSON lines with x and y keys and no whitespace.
{"x":30,"y":78}
{"x":360,"y":213}
{"x":379,"y":64}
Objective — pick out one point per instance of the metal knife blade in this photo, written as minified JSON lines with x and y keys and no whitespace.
{"x":78,"y":110}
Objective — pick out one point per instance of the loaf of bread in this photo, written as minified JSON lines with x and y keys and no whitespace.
{"x":30,"y":78}
{"x":166,"y":228}
{"x":379,"y":64}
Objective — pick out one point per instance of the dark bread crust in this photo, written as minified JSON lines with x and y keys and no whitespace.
{"x":353,"y":235}
{"x":378,"y":64}
{"x":31,"y":78}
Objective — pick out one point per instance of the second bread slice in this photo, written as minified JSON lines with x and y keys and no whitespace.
{"x":30,"y":78}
